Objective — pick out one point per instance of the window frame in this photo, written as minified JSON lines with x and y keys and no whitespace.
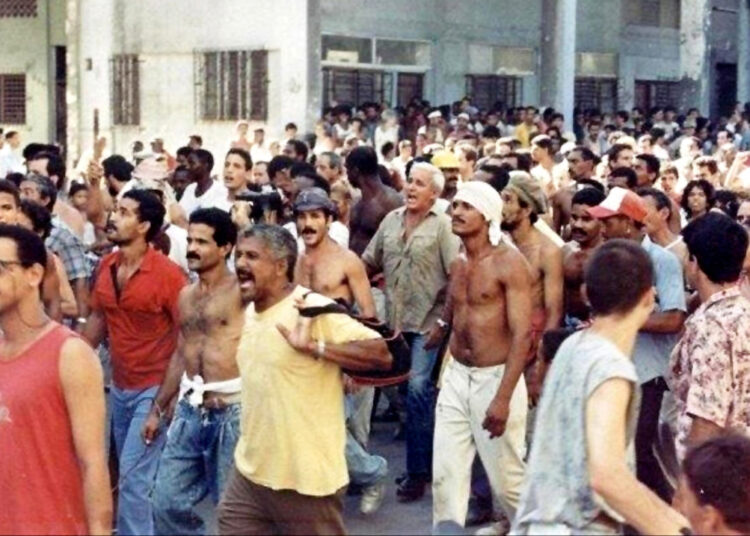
{"x":8,"y":114}
{"x":511,"y":95}
{"x":126,"y":90}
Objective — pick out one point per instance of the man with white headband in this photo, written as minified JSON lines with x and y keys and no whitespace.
{"x":482,"y":405}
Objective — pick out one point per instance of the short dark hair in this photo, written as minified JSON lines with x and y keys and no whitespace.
{"x":617,"y":276}
{"x":300,"y":147}
{"x":40,"y":217}
{"x":318,"y":180}
{"x":387,"y":147}
{"x":588,"y":196}
{"x":279,"y":163}
{"x":8,"y":187}
{"x":631,"y":177}
{"x":205,"y":157}
{"x":708,"y":190}
{"x":728,"y":202}
{"x":659,"y":197}
{"x":77,"y":187}
{"x":718,"y":244}
{"x":55,"y":166}
{"x":718,"y":473}
{"x":150,"y":209}
{"x":523,"y":159}
{"x":278,"y":240}
{"x":242,"y":153}
{"x":364,"y":160}
{"x":15,"y":178}
{"x":623,"y":114}
{"x":45,"y":186}
{"x":290,"y":125}
{"x":499,"y":176}
{"x":652,"y":163}
{"x":184,"y":151}
{"x":225,"y":232}
{"x":197,"y":138}
{"x":117,"y":167}
{"x":586,"y":154}
{"x":29,"y":247}
{"x":32,"y":149}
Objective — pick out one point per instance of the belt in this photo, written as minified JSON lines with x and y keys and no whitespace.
{"x":220,"y":401}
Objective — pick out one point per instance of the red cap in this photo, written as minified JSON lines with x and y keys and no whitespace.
{"x":620,"y":202}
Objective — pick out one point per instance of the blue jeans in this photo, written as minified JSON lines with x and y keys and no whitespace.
{"x":138,"y":462}
{"x":197,"y":460}
{"x":365,"y":469}
{"x":420,"y":407}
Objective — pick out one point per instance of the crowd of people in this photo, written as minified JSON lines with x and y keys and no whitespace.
{"x":571,"y":303}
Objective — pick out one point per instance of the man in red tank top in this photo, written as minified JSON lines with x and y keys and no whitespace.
{"x":53,"y":470}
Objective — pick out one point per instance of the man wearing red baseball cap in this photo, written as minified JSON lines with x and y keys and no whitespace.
{"x":623,"y":214}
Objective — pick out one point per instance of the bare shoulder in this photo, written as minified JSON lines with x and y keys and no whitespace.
{"x":350,"y":259}
{"x":510,"y":264}
{"x":78,"y":362}
{"x":548,"y":247}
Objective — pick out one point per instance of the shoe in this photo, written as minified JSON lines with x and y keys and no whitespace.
{"x":412,"y":489}
{"x":401,"y":478}
{"x":478,"y":513}
{"x":372,"y":498}
{"x":498,"y":528}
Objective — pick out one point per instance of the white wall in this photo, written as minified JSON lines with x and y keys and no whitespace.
{"x":165,"y":35}
{"x":24,"y":48}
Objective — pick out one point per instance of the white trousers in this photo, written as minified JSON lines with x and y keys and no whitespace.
{"x":461,"y":408}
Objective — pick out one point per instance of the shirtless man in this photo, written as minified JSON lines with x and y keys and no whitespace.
{"x":377,"y":199}
{"x":482,"y":406}
{"x":336,"y":272}
{"x":581,"y":166}
{"x":586,"y":235}
{"x":523,"y":201}
{"x":199,"y":454}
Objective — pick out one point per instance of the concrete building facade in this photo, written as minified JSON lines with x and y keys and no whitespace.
{"x":137,"y":69}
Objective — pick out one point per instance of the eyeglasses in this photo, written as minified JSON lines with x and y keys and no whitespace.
{"x":5,"y":265}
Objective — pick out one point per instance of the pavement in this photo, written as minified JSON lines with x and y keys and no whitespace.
{"x":393,"y":517}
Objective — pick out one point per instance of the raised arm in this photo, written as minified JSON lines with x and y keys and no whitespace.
{"x":83,"y":389}
{"x":516,"y":279}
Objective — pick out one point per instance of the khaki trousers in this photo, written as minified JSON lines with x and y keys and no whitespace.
{"x":461,"y":408}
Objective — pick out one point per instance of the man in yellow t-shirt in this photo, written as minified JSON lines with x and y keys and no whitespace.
{"x":289,"y":461}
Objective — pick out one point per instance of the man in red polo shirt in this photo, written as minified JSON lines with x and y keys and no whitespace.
{"x":135,"y":300}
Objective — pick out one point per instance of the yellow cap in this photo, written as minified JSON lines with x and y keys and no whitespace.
{"x":445,"y":160}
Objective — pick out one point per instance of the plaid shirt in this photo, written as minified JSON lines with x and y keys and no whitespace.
{"x":70,"y":249}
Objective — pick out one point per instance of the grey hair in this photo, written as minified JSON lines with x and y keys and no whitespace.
{"x":278,"y":240}
{"x":438,"y":179}
{"x":333,"y":158}
{"x":44,"y":184}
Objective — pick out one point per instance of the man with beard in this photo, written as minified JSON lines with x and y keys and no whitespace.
{"x":482,"y":405}
{"x":581,"y":166}
{"x":198,"y":456}
{"x":337,"y":273}
{"x":377,"y":199}
{"x":523,"y":201}
{"x":586,"y":236}
{"x":134,"y":301}
{"x":289,"y":468}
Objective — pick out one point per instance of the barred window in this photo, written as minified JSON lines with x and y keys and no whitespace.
{"x":409,"y":86}
{"x":126,"y":102}
{"x":596,"y":93}
{"x":17,"y":8}
{"x":232,"y":85}
{"x":649,"y":94}
{"x":487,"y":90}
{"x":13,"y":99}
{"x":354,"y":87}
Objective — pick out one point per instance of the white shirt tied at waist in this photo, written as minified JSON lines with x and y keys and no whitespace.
{"x":198,"y":388}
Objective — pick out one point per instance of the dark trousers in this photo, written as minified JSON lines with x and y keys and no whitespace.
{"x":247,"y":508}
{"x":648,"y":470}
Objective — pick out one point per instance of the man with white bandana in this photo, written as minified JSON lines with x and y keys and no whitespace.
{"x":482,"y":405}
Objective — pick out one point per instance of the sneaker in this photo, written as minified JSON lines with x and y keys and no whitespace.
{"x":372,"y":498}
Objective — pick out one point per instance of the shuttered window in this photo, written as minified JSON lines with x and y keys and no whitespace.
{"x":126,"y":102}
{"x":18,"y":8}
{"x":232,"y":85}
{"x":596,"y":93}
{"x":13,"y":99}
{"x":487,"y":90}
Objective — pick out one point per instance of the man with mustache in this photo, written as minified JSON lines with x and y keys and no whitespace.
{"x":586,"y":235}
{"x":289,"y":461}
{"x":198,"y":455}
{"x":134,"y":301}
{"x":523,"y":201}
{"x":482,"y":405}
{"x":337,"y":273}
